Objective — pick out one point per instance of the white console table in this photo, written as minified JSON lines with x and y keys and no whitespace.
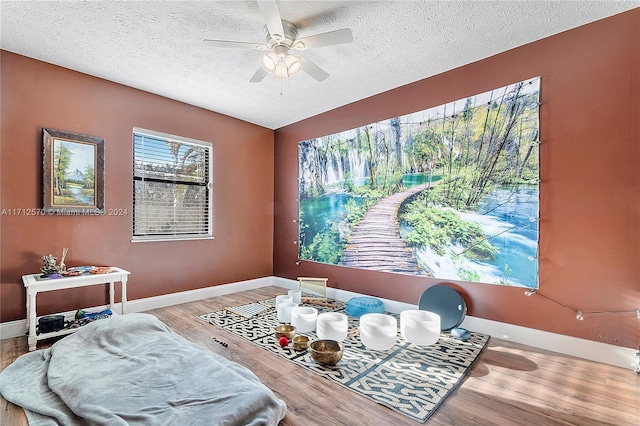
{"x":33,"y":286}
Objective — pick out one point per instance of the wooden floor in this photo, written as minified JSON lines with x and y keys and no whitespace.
{"x":511,"y":384}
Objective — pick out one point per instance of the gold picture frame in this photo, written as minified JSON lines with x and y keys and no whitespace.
{"x":73,"y":173}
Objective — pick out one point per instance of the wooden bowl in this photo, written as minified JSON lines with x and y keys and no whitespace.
{"x":300,"y":342}
{"x":326,"y":352}
{"x":285,"y":330}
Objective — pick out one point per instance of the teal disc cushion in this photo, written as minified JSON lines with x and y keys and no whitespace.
{"x":359,"y":306}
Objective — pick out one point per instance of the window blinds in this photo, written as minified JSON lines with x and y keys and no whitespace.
{"x":171,"y":187}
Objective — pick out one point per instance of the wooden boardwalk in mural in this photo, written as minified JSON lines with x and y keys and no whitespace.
{"x":375,"y":242}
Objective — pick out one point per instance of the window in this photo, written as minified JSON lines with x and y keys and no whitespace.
{"x":171,"y":187}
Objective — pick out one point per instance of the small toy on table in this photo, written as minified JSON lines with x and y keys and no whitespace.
{"x":50,"y":268}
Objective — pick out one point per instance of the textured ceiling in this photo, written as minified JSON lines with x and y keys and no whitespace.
{"x":157,"y":46}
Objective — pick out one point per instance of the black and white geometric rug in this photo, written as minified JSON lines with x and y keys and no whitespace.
{"x":412,"y":380}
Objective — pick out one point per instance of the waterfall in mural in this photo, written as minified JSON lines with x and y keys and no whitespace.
{"x":450,"y":192}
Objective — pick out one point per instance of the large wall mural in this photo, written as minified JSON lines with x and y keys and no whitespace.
{"x":451,"y":192}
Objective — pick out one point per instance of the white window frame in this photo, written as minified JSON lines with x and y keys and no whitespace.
{"x":209,"y":219}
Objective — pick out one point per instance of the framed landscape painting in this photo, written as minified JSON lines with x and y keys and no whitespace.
{"x":450,"y":192}
{"x":73,"y":173}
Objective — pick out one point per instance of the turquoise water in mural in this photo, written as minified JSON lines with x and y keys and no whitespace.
{"x":518,"y":245}
{"x":316,"y":213}
{"x":508,"y":216}
{"x":414,"y":179}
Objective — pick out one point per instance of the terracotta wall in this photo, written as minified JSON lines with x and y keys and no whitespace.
{"x":37,"y":95}
{"x":590,"y":189}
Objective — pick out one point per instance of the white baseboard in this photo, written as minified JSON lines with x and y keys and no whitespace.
{"x":12,"y":329}
{"x":146,"y":304}
{"x":568,"y":345}
{"x":573,"y":346}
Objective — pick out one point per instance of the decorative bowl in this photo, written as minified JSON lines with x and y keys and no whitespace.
{"x":304,"y":317}
{"x":378,"y":331}
{"x":300,"y":342}
{"x":284,"y":311}
{"x":285,"y":330}
{"x":332,"y":326}
{"x":282,"y":299}
{"x":419,"y":327}
{"x":326,"y":352}
{"x":296,"y":295}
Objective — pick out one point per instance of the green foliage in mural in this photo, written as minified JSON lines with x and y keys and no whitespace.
{"x":439,"y":228}
{"x":325,"y":247}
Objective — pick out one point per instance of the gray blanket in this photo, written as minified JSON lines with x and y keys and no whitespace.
{"x":132,"y":369}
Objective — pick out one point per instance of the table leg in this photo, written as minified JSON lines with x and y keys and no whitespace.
{"x":33,"y":338}
{"x":112,"y":294}
{"x":124,"y":294}
{"x":28,"y":310}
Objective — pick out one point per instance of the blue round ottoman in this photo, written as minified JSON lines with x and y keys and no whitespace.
{"x":359,"y":306}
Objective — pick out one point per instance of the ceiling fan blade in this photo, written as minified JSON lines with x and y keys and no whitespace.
{"x":271,"y":14}
{"x":325,"y":39}
{"x":259,"y":75}
{"x":313,"y":70}
{"x":235,"y":44}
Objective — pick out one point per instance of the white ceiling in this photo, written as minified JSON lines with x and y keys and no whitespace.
{"x":157,"y":46}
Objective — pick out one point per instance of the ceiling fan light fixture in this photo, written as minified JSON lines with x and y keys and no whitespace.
{"x":293,"y":63}
{"x":288,"y":66}
{"x":269,"y":62}
{"x":281,"y":70}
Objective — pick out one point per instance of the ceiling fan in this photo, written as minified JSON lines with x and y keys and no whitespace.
{"x":281,"y":39}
